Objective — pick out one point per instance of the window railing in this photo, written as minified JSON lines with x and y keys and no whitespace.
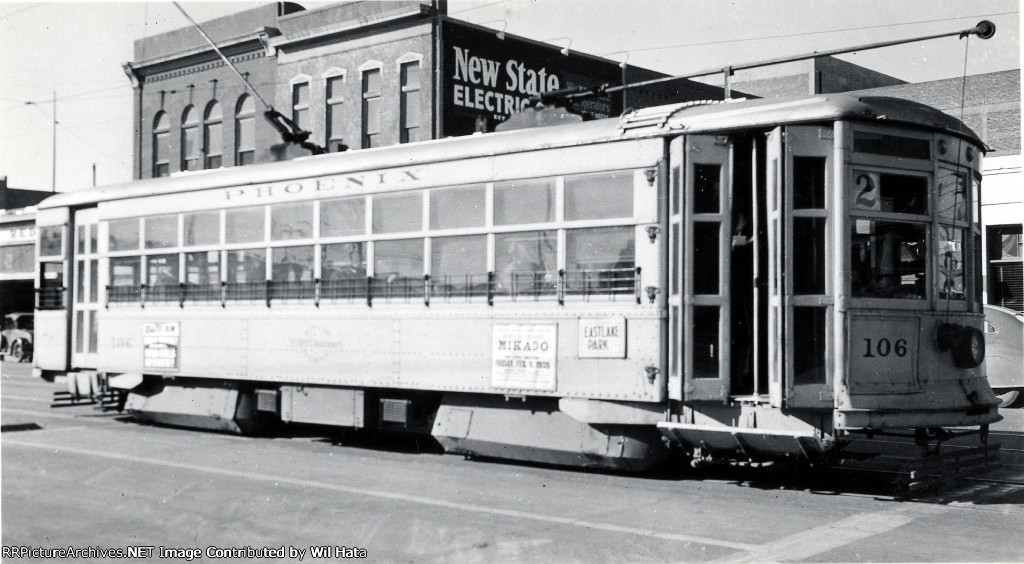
{"x":602,"y":282}
{"x":297,"y":290}
{"x":469,"y":286}
{"x":50,"y":298}
{"x":241,"y":291}
{"x":614,"y":284}
{"x":344,"y":289}
{"x":123,"y":294}
{"x":202,"y":292}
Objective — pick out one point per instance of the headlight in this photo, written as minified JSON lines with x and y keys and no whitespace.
{"x":969,"y":352}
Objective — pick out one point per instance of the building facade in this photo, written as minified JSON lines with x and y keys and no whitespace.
{"x":17,"y":247}
{"x":355,"y":75}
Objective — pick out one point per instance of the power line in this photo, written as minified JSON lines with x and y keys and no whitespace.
{"x":478,"y":7}
{"x":77,"y":136}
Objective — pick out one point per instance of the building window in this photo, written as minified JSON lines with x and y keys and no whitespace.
{"x":410,"y":110}
{"x":335,"y":111}
{"x":245,"y":131}
{"x":213,"y":135}
{"x":190,"y":139}
{"x":1006,"y":266}
{"x":371,"y":108}
{"x":161,"y":145}
{"x":300,"y":105}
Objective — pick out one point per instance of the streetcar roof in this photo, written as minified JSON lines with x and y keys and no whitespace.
{"x":660,"y":121}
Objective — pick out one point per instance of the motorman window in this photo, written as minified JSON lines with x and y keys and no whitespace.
{"x":889,"y":235}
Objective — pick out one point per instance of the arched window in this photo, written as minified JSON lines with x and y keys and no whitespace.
{"x":213,"y":135}
{"x":245,"y":131}
{"x":190,"y":146}
{"x":161,"y":145}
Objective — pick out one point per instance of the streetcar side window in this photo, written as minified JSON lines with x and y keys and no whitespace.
{"x":343,"y":217}
{"x":245,"y":225}
{"x":291,"y":221}
{"x":125,"y":278}
{"x":602,"y":259}
{"x":202,"y":268}
{"x":526,"y":261}
{"x":161,"y":232}
{"x":399,"y":259}
{"x":599,"y":196}
{"x":524,"y":201}
{"x":343,"y":261}
{"x":397,"y":213}
{"x":458,"y":263}
{"x":162,"y":270}
{"x":124,"y":235}
{"x":452,"y":208}
{"x":202,"y":228}
{"x":292,"y":264}
{"x":247,"y":266}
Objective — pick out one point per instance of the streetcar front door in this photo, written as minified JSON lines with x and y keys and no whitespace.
{"x":85,"y":298}
{"x":800,"y":289}
{"x":706,"y":245}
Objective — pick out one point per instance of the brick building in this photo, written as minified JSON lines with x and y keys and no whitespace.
{"x":359,"y":74}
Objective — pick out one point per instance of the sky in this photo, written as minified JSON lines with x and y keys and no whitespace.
{"x":75,"y":51}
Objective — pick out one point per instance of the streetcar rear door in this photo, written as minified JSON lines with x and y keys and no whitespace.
{"x":800,"y":303}
{"x":706,"y":224}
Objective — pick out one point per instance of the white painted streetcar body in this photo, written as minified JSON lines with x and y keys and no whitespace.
{"x":753,"y":279}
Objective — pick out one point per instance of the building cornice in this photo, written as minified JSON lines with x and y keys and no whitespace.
{"x":326,"y":33}
{"x":259,"y":41}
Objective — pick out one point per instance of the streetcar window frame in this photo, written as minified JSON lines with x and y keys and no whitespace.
{"x":228,"y":242}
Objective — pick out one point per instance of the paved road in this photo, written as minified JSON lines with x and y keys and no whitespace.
{"x":85,"y":479}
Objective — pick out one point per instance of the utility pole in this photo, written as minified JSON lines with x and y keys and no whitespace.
{"x":53,"y":173}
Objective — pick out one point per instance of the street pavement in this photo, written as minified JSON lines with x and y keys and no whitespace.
{"x":75,"y":477}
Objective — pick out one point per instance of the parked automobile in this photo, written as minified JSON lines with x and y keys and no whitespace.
{"x":16,"y":336}
{"x":1004,"y":353}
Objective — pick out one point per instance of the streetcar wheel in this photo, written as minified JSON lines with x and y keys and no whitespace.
{"x":17,"y":352}
{"x":1009,"y":399}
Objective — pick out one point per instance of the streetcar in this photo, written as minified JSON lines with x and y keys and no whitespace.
{"x":738,"y":280}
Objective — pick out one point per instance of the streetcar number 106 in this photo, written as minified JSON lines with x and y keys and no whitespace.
{"x":884,"y":347}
